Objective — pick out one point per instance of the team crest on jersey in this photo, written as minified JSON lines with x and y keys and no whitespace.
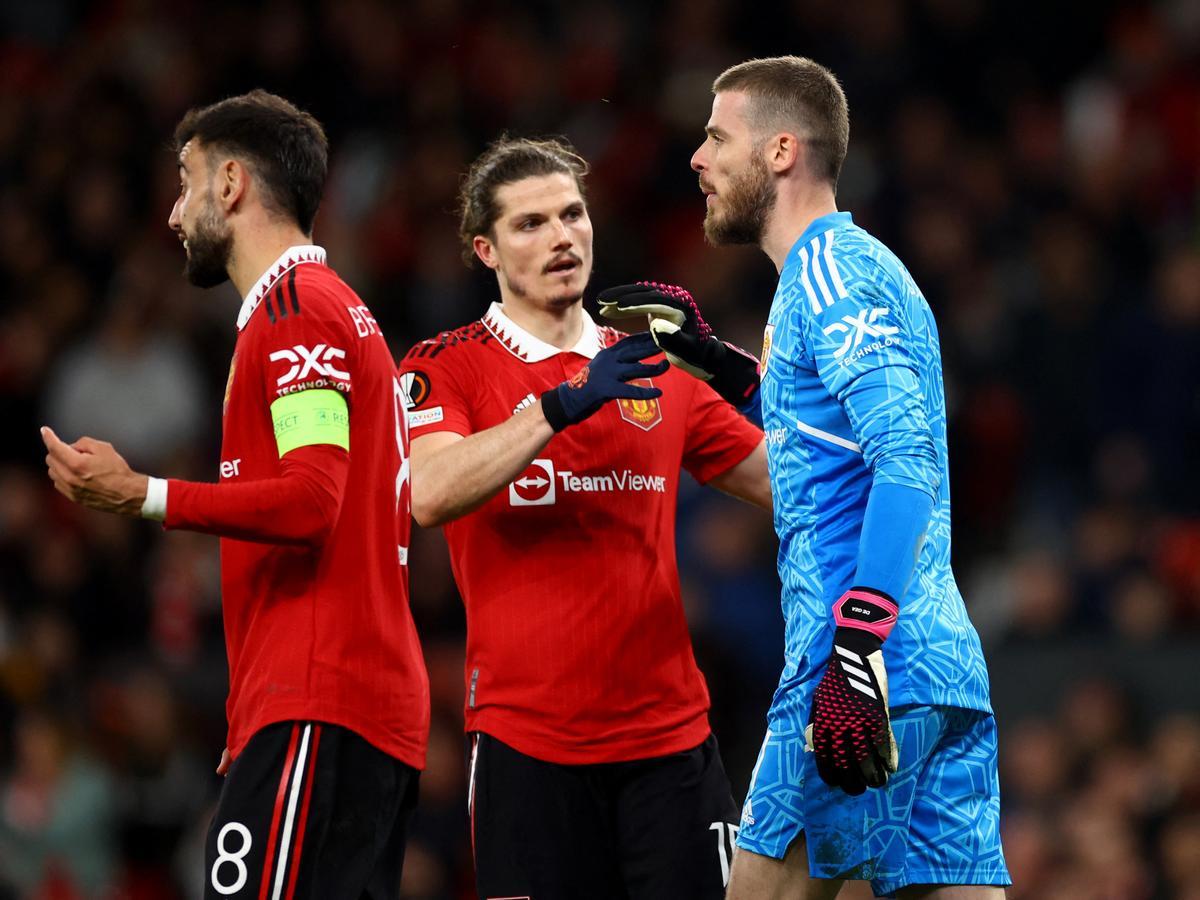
{"x":645,"y":414}
{"x":768,"y":332}
{"x":229,"y":383}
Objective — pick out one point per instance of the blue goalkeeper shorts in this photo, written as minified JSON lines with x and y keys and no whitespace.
{"x":937,"y":821}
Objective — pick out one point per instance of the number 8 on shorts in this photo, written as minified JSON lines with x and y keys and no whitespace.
{"x":234,"y":858}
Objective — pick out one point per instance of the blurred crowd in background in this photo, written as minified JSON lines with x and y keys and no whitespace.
{"x":1036,"y":165}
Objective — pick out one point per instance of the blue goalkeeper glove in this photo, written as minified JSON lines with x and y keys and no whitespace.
{"x":604,"y":379}
{"x":850,"y":731}
{"x":688,"y":341}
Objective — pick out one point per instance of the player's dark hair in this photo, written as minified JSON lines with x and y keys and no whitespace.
{"x":795,"y":92}
{"x":284,"y":148}
{"x":505,"y":161}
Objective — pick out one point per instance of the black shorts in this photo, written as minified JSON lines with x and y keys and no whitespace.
{"x":650,"y":829}
{"x":313,"y":811}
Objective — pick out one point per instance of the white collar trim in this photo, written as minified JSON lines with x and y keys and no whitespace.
{"x":289,"y":259}
{"x":527,"y":348}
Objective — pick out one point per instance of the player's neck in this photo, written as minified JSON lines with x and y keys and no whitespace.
{"x":256,"y":248}
{"x":795,"y":209}
{"x":558,"y":326}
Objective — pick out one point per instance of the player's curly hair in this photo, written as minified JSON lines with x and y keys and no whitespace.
{"x":284,"y":147}
{"x":506,"y":160}
{"x":793,"y":92}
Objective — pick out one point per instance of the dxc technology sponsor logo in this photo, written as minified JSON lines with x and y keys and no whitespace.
{"x":855,"y":329}
{"x":318,"y":361}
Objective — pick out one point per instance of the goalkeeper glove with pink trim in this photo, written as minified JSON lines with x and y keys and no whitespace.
{"x":684,"y":336}
{"x":850,"y":732}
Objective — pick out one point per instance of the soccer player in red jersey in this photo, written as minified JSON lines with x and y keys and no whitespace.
{"x":552,"y":456}
{"x":328,"y":701}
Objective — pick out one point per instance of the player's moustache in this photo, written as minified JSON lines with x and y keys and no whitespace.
{"x":559,"y":260}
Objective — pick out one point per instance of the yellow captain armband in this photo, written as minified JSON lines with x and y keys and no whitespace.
{"x":311,"y":417}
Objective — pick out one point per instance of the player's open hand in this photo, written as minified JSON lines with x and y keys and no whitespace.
{"x":687,"y":340}
{"x":92,"y":473}
{"x":612,"y":374}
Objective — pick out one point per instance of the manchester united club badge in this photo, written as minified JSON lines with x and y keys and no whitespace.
{"x":766,"y":351}
{"x":645,"y":414}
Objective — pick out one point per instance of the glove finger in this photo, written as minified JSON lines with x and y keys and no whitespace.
{"x":674,"y":339}
{"x":635,"y":347}
{"x":628,"y":310}
{"x":872,"y":769}
{"x":621,"y":290}
{"x":611,"y":310}
{"x":852,"y":781}
{"x":888,"y":750}
{"x":635,"y":392}
{"x":633,"y":310}
{"x":823,"y":758}
{"x":840,"y":769}
{"x":630,"y":371}
{"x":850,"y":776}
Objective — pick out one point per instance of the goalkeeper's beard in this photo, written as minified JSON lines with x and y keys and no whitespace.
{"x":748,"y":202}
{"x":209,"y":248}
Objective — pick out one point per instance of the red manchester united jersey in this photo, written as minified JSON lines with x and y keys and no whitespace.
{"x":322,"y":633}
{"x":577,"y":646}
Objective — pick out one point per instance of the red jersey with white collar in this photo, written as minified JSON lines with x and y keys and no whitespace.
{"x":577,"y":646}
{"x":322,"y":632}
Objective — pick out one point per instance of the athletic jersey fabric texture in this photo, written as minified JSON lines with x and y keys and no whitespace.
{"x":577,"y":646}
{"x":319,"y":633}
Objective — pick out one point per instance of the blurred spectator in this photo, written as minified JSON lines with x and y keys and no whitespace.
{"x":56,"y":815}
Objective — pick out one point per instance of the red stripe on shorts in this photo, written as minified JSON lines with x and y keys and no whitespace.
{"x":288,"y":761}
{"x":299,"y":845}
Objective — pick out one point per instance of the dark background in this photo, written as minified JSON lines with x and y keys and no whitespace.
{"x":1036,"y":165}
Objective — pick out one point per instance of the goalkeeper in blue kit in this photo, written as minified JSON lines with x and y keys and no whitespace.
{"x":879,"y":761}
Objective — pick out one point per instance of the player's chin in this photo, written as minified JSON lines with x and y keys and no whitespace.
{"x":566,"y":289}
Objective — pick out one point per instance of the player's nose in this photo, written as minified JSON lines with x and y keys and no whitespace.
{"x":562,"y":236}
{"x":175,"y":221}
{"x":698,"y":163}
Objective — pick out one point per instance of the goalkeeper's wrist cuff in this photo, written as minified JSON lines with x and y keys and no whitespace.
{"x":155,"y":505}
{"x":866,"y":610}
{"x":552,"y":409}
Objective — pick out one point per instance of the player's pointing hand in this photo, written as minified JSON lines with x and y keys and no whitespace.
{"x":92,"y":473}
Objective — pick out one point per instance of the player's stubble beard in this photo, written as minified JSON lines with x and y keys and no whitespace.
{"x":748,"y":201}
{"x":209,"y":249}
{"x":567,"y":297}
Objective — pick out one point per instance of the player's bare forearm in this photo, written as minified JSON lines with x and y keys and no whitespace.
{"x":453,"y":475}
{"x":93,"y":474}
{"x":748,"y":480}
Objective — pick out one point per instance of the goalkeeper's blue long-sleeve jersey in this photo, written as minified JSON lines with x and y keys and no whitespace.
{"x":854,"y":412}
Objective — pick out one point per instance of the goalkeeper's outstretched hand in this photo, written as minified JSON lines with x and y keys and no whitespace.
{"x":680,"y":330}
{"x":850,"y":731}
{"x":605,"y":378}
